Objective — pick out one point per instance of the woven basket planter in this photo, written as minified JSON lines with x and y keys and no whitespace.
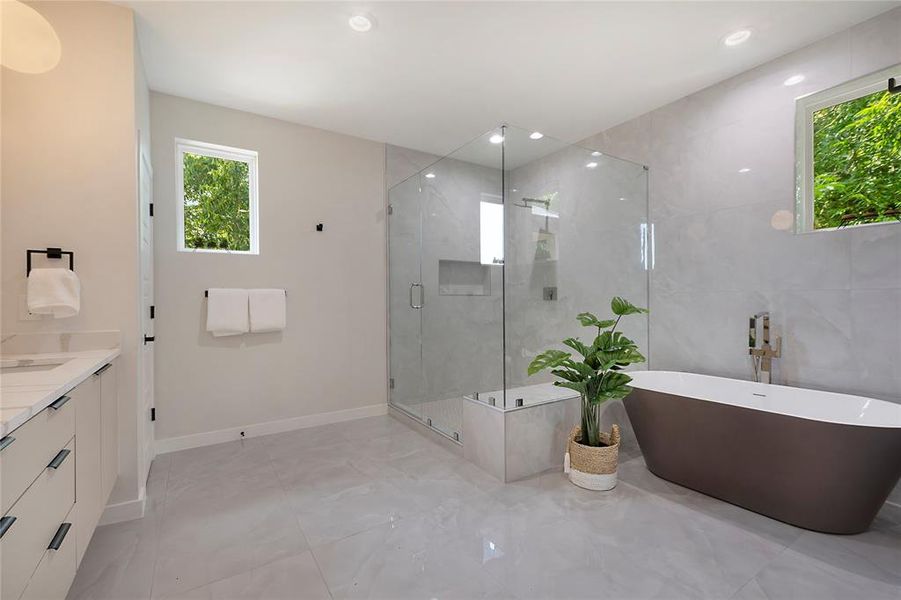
{"x":593,"y":468}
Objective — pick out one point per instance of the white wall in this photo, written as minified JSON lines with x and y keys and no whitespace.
{"x":331,"y":357}
{"x":68,"y":179}
{"x":835,"y":296}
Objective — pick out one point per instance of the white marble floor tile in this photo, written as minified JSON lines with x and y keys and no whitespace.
{"x":373,"y":509}
{"x":404,"y":559}
{"x":291,"y":578}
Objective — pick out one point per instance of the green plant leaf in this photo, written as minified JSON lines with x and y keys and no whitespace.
{"x":589,"y":320}
{"x":578,"y":386}
{"x":578,"y":346}
{"x":567,"y":374}
{"x":612,"y":386}
{"x":622,"y":307}
{"x":549,"y":359}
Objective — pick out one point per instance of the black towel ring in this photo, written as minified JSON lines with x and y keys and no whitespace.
{"x":55,"y":253}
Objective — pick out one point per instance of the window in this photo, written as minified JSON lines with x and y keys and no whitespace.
{"x":491,"y":232}
{"x":849,"y":154}
{"x":217,"y":198}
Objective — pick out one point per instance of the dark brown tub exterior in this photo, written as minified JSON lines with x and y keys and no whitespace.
{"x":817,"y":475}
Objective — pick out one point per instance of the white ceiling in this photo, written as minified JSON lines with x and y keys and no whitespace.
{"x":432,"y":76}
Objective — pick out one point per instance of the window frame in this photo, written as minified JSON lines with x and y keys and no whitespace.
{"x":250,"y":157}
{"x":805,"y":107}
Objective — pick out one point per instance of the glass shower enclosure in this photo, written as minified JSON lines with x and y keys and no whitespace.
{"x":492,"y":252}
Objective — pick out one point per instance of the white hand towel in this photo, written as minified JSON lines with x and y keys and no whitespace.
{"x":267,"y":310}
{"x":54,"y":292}
{"x":226,"y":312}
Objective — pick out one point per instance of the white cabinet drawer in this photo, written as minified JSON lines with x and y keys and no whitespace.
{"x":38,"y":515}
{"x":54,"y":575}
{"x":88,"y":466}
{"x":33,"y":446}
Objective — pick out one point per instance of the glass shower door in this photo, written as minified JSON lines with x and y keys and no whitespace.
{"x":462,"y":275}
{"x":405,"y":297}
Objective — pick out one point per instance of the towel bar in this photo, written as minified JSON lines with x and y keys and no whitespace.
{"x":206,"y":293}
{"x":54,"y":253}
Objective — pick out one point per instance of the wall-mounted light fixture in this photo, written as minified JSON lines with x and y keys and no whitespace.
{"x":30,"y":44}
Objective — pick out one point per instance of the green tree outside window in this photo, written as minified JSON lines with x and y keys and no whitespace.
{"x":857,"y":161}
{"x":217,"y":203}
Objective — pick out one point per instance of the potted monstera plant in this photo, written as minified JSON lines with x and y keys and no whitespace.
{"x":597,"y":374}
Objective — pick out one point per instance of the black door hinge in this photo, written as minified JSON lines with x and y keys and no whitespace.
{"x":153,"y":414}
{"x":148,"y":338}
{"x":151,"y":209}
{"x":152,"y":311}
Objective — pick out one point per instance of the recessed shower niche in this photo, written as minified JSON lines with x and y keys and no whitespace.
{"x":463,"y":278}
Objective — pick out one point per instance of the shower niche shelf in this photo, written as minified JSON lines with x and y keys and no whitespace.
{"x":463,"y":278}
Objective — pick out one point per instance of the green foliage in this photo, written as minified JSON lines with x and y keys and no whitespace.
{"x":217,"y":203}
{"x":857,"y":161}
{"x":598,"y":376}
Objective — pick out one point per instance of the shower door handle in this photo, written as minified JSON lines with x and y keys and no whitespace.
{"x":421,"y":295}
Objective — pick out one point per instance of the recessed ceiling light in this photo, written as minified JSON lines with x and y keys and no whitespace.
{"x":744,"y":170}
{"x":496,"y":138}
{"x":595,"y":153}
{"x":592,"y":165}
{"x":430,"y":176}
{"x":793,"y":80}
{"x":536,"y":135}
{"x":360,"y":22}
{"x":737,"y":37}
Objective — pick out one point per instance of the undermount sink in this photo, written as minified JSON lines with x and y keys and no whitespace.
{"x":28,"y":366}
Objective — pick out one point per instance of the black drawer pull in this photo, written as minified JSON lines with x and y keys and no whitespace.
{"x":58,"y":404}
{"x":57,"y":540}
{"x":59,"y":458}
{"x":5,"y":523}
{"x":102,"y":369}
{"x":6,"y":441}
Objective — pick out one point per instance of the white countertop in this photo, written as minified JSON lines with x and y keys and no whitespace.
{"x":25,"y":394}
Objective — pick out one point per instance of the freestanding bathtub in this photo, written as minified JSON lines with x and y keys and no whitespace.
{"x":818,"y":460}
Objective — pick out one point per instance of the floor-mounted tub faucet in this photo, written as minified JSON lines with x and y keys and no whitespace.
{"x":763,"y":357}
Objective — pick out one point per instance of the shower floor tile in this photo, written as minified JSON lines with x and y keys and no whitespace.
{"x":372,"y":509}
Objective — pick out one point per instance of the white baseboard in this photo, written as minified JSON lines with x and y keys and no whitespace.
{"x":209,"y":438}
{"x":124,"y":511}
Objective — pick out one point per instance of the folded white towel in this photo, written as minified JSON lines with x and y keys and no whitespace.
{"x":267,"y":310}
{"x":54,"y":292}
{"x":226,"y":312}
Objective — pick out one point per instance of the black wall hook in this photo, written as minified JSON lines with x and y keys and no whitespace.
{"x":320,"y":227}
{"x":892,"y":87}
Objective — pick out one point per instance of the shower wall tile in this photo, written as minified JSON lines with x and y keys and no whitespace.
{"x":536,"y":437}
{"x":876,"y":257}
{"x":483,"y":437}
{"x":725,"y":247}
{"x":873,"y":41}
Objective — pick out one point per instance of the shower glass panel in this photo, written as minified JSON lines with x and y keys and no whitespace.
{"x":493,"y":251}
{"x":576,"y":235}
{"x":462,"y":264}
{"x":405,"y":293}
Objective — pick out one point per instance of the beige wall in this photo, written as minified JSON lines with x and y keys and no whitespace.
{"x":68,"y":179}
{"x":331,"y":357}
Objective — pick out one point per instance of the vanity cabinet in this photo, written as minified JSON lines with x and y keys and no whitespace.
{"x":96,"y":439}
{"x":88,"y":489}
{"x":109,"y":427}
{"x":56,"y":473}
